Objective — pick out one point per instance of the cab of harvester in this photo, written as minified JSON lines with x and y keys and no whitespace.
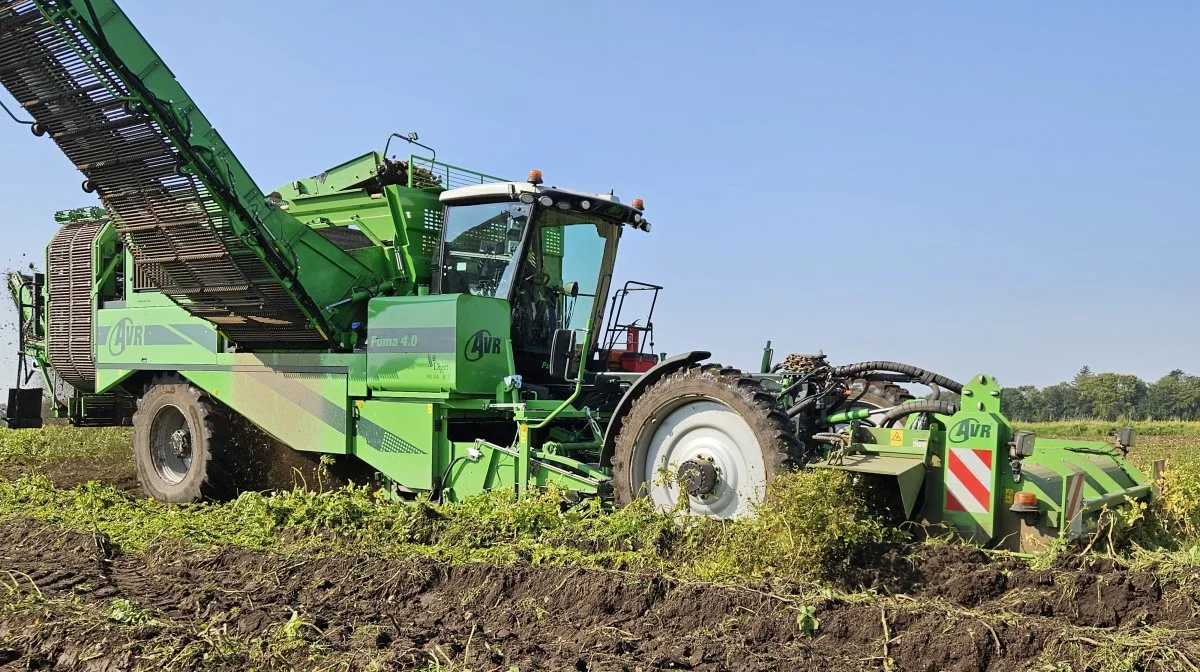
{"x":549,"y":253}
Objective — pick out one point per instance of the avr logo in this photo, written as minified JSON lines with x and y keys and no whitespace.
{"x":481,"y":344}
{"x":969,"y":429}
{"x":123,"y":335}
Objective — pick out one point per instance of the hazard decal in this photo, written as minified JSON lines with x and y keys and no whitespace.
{"x":969,"y":480}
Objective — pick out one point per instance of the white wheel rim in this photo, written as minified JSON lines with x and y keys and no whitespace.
{"x":702,"y":429}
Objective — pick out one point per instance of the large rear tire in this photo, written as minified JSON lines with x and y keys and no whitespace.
{"x":706,"y":435}
{"x":179,"y":445}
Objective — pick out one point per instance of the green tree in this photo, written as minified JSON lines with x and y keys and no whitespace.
{"x":1022,"y":403}
{"x":1175,"y":396}
{"x":1060,"y":402}
{"x":1111,"y":396}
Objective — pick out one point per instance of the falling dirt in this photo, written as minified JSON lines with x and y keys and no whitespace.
{"x":962,"y":611}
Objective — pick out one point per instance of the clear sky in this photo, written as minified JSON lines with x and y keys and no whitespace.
{"x":1007,"y":188}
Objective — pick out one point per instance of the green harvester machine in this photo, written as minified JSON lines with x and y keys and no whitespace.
{"x":443,"y":329}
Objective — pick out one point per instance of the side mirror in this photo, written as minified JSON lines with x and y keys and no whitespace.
{"x":571,"y":289}
{"x":561,"y":348}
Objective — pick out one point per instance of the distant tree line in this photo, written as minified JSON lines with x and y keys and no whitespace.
{"x":1107,"y":396}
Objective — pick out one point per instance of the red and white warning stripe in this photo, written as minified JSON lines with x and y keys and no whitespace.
{"x":969,"y":480}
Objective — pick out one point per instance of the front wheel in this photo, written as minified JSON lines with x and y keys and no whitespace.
{"x":705,"y":439}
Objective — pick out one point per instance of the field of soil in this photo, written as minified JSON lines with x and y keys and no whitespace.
{"x":192,"y":588}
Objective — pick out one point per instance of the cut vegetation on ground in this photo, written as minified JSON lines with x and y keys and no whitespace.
{"x":95,"y":577}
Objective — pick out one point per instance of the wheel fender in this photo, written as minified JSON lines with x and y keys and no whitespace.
{"x":652,"y":376}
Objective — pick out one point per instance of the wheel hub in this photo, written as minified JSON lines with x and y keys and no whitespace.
{"x":697,"y":476}
{"x":704,"y":456}
{"x":181,"y":443}
{"x":170,"y":445}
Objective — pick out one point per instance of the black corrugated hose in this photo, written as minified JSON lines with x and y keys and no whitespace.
{"x":917,"y":406}
{"x":917,"y":374}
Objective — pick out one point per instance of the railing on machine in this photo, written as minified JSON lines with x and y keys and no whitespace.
{"x":637,"y":337}
{"x":426,"y":173}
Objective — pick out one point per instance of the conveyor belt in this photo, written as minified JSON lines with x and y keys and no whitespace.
{"x":71,"y":308}
{"x":180,"y":236}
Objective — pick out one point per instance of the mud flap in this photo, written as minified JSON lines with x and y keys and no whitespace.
{"x":909,"y":474}
{"x":24,"y":410}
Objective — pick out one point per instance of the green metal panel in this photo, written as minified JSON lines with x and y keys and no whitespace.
{"x":418,"y":233}
{"x":134,"y":337}
{"x":453,"y":343}
{"x":976,"y":452}
{"x":299,"y":399}
{"x":1108,"y":477}
{"x":398,"y":439}
{"x":405,"y":226}
{"x":971,"y":473}
{"x":909,"y":474}
{"x":496,"y":468}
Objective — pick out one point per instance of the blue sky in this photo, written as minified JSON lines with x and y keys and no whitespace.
{"x":1009,"y":189}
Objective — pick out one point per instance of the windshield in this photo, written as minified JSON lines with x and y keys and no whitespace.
{"x":548,"y":262}
{"x":482,"y":241}
{"x":560,"y":275}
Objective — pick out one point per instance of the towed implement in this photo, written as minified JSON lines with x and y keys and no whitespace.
{"x":441,"y":328}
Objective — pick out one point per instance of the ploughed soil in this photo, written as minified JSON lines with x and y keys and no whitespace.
{"x":230,"y":609}
{"x":63,"y":607}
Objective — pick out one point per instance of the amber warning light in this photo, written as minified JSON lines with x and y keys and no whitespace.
{"x":1024,"y":502}
{"x":535,"y":177}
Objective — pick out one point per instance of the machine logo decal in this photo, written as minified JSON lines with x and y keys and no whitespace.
{"x":413,"y":340}
{"x":969,"y":429}
{"x":969,"y":480}
{"x":481,"y":344}
{"x":125,"y":334}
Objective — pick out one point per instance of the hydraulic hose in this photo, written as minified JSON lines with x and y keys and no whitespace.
{"x":885,"y":377}
{"x":918,"y":374}
{"x":917,"y":406}
{"x":803,"y":404}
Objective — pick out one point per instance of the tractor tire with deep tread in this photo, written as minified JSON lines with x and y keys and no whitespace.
{"x":180,"y":445}
{"x":698,"y":410}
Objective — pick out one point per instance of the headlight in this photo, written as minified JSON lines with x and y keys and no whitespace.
{"x":563,"y":205}
{"x":585,"y":204}
{"x":527,"y":199}
{"x":546,"y":201}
